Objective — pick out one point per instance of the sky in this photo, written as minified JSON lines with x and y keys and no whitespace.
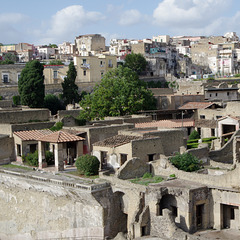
{"x":56,"y":21}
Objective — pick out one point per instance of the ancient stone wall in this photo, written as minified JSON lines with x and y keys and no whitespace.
{"x":225,"y":154}
{"x":10,"y":128}
{"x":6,"y":149}
{"x":34,"y":210}
{"x":24,"y":116}
{"x":133,"y":168}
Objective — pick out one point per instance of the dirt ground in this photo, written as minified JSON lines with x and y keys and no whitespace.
{"x":226,"y":234}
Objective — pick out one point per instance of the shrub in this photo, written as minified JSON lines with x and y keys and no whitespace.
{"x":58,"y":126}
{"x":16,"y":100}
{"x":49,"y":156}
{"x":172,"y":175}
{"x":31,"y":159}
{"x":194,"y":135}
{"x":186,"y":162}
{"x":88,"y":165}
{"x":1,"y":97}
{"x":237,"y":75}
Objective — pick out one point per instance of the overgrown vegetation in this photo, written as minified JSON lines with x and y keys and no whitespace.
{"x":31,"y":159}
{"x":58,"y":126}
{"x":87,"y":165}
{"x":186,"y":162}
{"x":146,"y":179}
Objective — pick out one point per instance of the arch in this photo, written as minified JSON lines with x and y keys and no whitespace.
{"x":167,"y":201}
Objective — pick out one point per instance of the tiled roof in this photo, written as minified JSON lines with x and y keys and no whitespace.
{"x":118,"y":140}
{"x":32,"y":134}
{"x":171,"y":123}
{"x":60,"y":137}
{"x":230,"y":116}
{"x":195,"y":105}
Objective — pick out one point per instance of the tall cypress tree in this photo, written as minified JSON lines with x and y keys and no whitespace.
{"x":31,"y":85}
{"x":70,"y":89}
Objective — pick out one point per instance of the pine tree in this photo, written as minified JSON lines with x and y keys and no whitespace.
{"x":70,"y":89}
{"x":31,"y":85}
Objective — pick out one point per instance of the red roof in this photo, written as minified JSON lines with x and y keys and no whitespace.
{"x":60,"y":137}
{"x":32,"y":134}
{"x":195,"y":105}
{"x":171,"y":123}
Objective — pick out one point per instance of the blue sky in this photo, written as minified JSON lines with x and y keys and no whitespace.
{"x":55,"y":21}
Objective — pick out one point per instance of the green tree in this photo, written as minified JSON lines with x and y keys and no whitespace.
{"x":70,"y":89}
{"x":53,"y":103}
{"x":53,"y":45}
{"x":88,"y":165}
{"x":31,"y":85}
{"x":194,"y":135}
{"x":136,"y":62}
{"x":10,"y":57}
{"x":119,"y":93}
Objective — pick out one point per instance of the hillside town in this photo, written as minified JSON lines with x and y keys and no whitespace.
{"x":167,"y":169}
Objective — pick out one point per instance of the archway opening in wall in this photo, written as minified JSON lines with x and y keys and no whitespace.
{"x":167,"y":201}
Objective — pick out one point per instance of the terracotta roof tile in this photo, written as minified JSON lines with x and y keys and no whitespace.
{"x":60,"y":137}
{"x":32,"y":134}
{"x":171,"y":123}
{"x":119,"y":140}
{"x":195,"y":105}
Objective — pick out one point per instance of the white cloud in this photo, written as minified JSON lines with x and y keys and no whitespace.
{"x":10,"y":27}
{"x":130,"y":17}
{"x":12,"y":18}
{"x":189,"y":14}
{"x":67,"y":23}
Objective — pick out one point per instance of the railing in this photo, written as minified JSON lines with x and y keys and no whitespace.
{"x":89,"y":188}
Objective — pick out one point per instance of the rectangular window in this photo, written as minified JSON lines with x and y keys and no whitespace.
{"x":202,"y":116}
{"x":55,"y":74}
{"x":216,"y":94}
{"x":110,"y":63}
{"x":5,"y":78}
{"x":84,"y":73}
{"x":228,"y":93}
{"x":84,"y":61}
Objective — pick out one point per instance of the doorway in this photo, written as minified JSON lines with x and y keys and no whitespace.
{"x":199,"y":215}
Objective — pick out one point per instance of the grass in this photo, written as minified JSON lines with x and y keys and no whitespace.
{"x":76,"y":173}
{"x":12,"y":166}
{"x":147,"y":179}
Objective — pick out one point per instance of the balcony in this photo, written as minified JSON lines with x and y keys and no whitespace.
{"x":85,"y":66}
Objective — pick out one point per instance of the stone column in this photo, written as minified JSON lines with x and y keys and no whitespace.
{"x":59,"y":164}
{"x":41,"y":154}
